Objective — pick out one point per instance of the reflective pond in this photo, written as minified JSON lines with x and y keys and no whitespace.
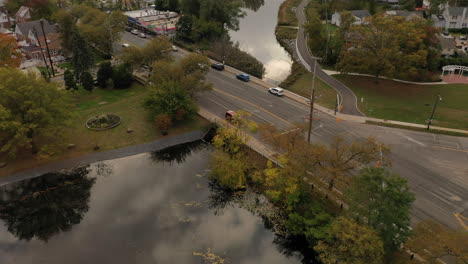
{"x":149,"y":208}
{"x":257,"y":37}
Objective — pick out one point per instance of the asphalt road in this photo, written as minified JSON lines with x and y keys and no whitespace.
{"x":434,"y":165}
{"x":349,"y":100}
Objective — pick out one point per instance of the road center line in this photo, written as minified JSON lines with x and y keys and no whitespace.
{"x":254,"y":105}
{"x":453,"y":149}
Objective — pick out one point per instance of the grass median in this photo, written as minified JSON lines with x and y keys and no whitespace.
{"x":412,"y":103}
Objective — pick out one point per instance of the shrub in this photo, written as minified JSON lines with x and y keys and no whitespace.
{"x":87,"y":81}
{"x":163,"y":123}
{"x":104,"y":74}
{"x":122,"y":76}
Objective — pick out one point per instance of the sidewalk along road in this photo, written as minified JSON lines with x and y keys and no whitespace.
{"x":349,"y":100}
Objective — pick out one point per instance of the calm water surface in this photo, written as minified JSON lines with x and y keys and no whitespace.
{"x":137,"y":209}
{"x":257,"y":37}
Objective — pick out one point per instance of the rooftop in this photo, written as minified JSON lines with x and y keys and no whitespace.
{"x":25,"y":27}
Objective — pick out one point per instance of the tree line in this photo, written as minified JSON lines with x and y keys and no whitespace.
{"x":366,"y":221}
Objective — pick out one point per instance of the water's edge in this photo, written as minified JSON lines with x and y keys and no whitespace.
{"x":104,"y":155}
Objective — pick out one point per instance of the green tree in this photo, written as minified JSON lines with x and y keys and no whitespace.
{"x":351,"y":243}
{"x":69,"y":79}
{"x":173,"y":5}
{"x":82,"y":59}
{"x":316,"y":31}
{"x":390,"y":46}
{"x":168,"y":97}
{"x":122,"y":76}
{"x":160,"y":5}
{"x":382,"y":201}
{"x":104,"y":74}
{"x":66,"y":28}
{"x":433,"y":241}
{"x":87,"y":81}
{"x":31,"y":110}
{"x":156,"y":49}
{"x":190,"y":72}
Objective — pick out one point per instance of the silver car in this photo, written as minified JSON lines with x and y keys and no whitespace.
{"x":276,"y":91}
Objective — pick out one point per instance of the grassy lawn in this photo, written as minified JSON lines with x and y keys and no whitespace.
{"x":125,"y":103}
{"x":65,"y":66}
{"x":410,"y":102}
{"x":326,"y":95}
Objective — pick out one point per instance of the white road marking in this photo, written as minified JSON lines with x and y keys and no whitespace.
{"x":227,"y":83}
{"x":413,"y":140}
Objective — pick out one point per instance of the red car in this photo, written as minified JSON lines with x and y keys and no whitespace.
{"x":229,"y":115}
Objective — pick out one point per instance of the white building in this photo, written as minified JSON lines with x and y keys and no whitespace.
{"x":360,"y":17}
{"x":456,"y":17}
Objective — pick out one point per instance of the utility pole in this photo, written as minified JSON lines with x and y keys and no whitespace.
{"x":47,"y":46}
{"x":42,"y":52}
{"x":439,"y":98}
{"x":312,"y":97}
{"x":336,"y":103}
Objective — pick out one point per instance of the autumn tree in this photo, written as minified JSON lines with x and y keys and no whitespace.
{"x":190,"y":72}
{"x":31,"y":111}
{"x":382,"y":201}
{"x":351,"y":243}
{"x":10,"y":56}
{"x":163,"y":123}
{"x":390,"y":46}
{"x":230,"y":166}
{"x":433,"y":241}
{"x":154,"y":50}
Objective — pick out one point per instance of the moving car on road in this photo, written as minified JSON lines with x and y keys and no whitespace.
{"x":125,"y":45}
{"x":243,"y":77}
{"x":229,"y":115}
{"x":217,"y":66}
{"x":174,"y":48}
{"x":134,"y":32}
{"x":276,"y":91}
{"x":142,"y":35}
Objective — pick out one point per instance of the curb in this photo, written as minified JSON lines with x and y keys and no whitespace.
{"x":330,"y":112}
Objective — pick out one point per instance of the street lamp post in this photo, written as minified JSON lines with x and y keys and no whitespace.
{"x":439,"y":98}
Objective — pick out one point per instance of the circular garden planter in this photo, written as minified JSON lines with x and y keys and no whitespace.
{"x":103,"y":122}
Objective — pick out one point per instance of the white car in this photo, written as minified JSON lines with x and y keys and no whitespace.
{"x":174,"y":48}
{"x":134,"y":32}
{"x":142,"y":35}
{"x":276,"y":91}
{"x":125,"y":45}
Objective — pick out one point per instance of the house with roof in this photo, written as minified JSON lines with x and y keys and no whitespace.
{"x":360,"y":17}
{"x":447,"y":45}
{"x":456,"y":17}
{"x":407,"y":14}
{"x":5,"y":20}
{"x":30,"y":37}
{"x":23,"y":14}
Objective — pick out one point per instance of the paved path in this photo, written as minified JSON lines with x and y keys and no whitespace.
{"x":348,"y":98}
{"x":105,"y":155}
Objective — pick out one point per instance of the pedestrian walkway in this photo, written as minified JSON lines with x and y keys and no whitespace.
{"x":330,"y":72}
{"x":348,"y":99}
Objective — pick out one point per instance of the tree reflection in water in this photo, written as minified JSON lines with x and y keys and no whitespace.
{"x":253,"y":5}
{"x":272,"y":218}
{"x":44,"y":206}
{"x":177,"y":153}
